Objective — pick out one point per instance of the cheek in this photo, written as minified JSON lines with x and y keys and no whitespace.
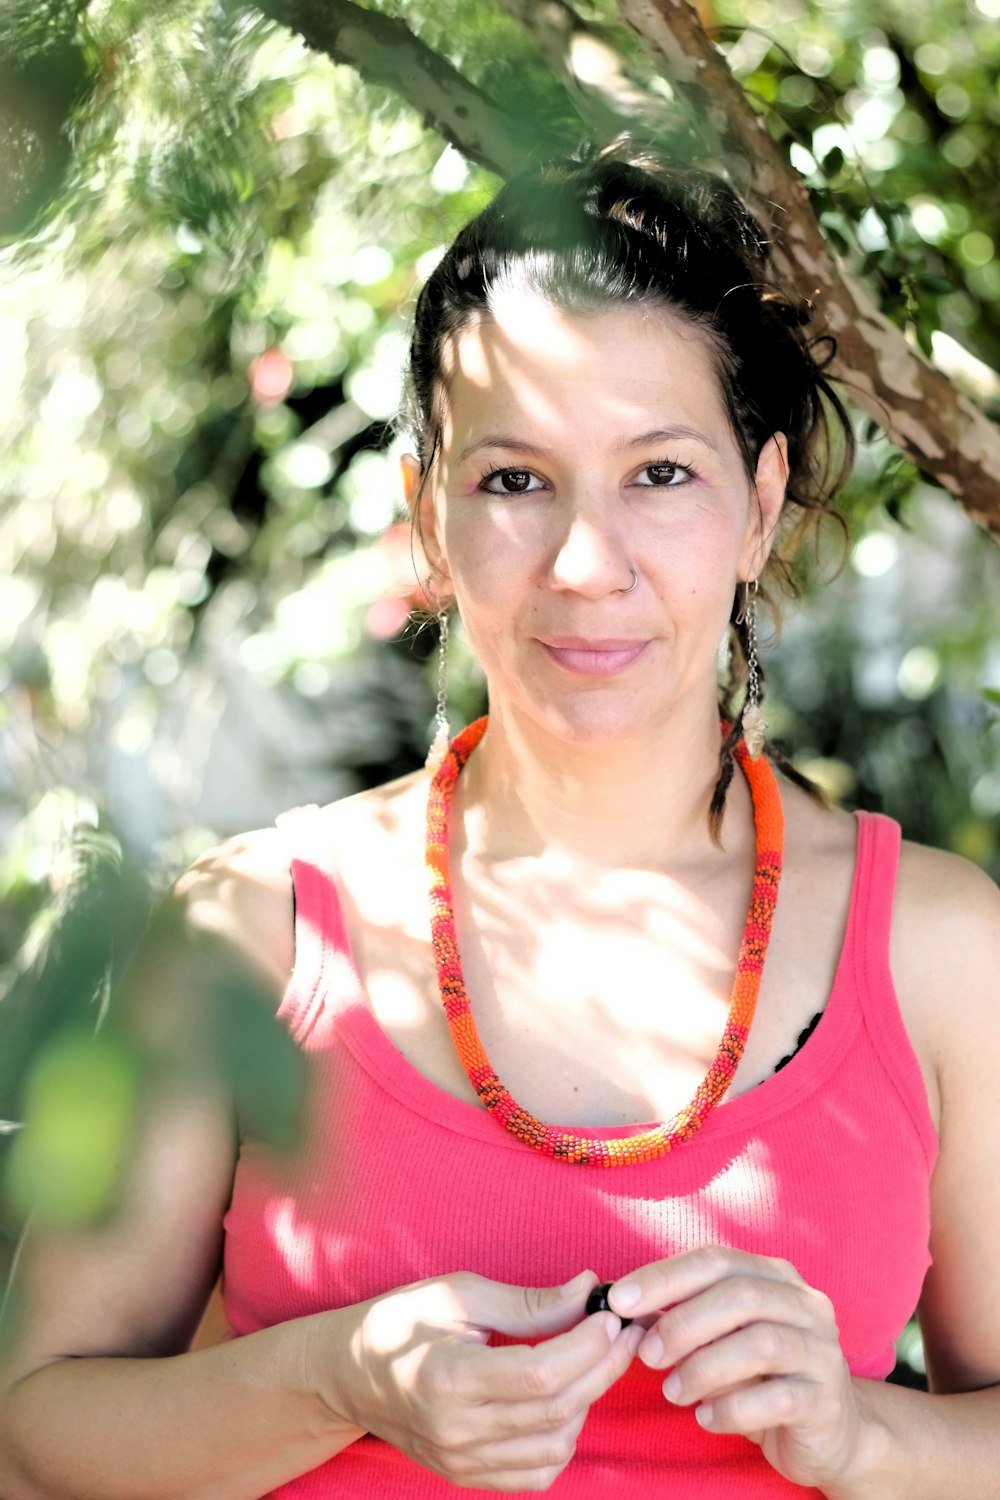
{"x":698,"y":552}
{"x":489,"y":552}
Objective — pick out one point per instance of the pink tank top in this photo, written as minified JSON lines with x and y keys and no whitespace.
{"x":826,"y":1164}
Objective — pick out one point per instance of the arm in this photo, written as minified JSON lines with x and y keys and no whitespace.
{"x":755,"y":1350}
{"x":232,"y":1422}
{"x":100,"y":1398}
{"x":948,"y":1442}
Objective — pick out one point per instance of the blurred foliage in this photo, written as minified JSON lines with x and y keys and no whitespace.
{"x":76,"y":1093}
{"x":891,"y":112}
{"x":79,"y":1114}
{"x":87,"y":1045}
{"x":214,"y":240}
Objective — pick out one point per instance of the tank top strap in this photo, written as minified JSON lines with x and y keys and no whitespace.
{"x":321,"y":941}
{"x":867,"y":947}
{"x":870,"y":920}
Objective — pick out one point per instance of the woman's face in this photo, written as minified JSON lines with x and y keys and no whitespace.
{"x":575,"y":450}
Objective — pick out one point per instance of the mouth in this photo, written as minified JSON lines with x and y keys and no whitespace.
{"x":592,"y":658}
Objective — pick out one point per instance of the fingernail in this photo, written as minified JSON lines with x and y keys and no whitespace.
{"x":612,"y":1325}
{"x":652,"y":1349}
{"x":574,"y":1287}
{"x":625,"y":1295}
{"x":673,"y":1387}
{"x":705,"y":1413}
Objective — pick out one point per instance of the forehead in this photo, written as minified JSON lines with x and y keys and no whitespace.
{"x":539,"y":363}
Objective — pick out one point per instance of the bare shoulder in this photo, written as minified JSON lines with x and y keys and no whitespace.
{"x":933,"y":882}
{"x":815,"y":829}
{"x":377,"y":836}
{"x":386,"y":809}
{"x":946,"y":911}
{"x":947,"y":919}
{"x":239,"y":893}
{"x":946,"y":956}
{"x":946,"y":949}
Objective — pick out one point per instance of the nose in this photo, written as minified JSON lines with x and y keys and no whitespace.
{"x":591,"y":558}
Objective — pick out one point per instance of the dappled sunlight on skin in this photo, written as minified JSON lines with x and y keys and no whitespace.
{"x":399,"y":1003}
{"x":633,"y":988}
{"x":403,"y":1329}
{"x":659,"y":935}
{"x":509,"y":358}
{"x":572,"y":397}
{"x":582,"y":989}
{"x":403,"y":1347}
{"x":584,"y":1032}
{"x":591,"y":1039}
{"x":633,"y":961}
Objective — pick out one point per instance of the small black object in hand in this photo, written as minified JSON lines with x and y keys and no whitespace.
{"x":598,"y":1302}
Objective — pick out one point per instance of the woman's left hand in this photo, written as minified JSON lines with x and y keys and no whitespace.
{"x":755,"y":1350}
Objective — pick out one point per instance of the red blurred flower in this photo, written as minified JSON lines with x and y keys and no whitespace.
{"x":271,"y":376}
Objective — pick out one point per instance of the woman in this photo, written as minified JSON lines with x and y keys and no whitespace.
{"x":615,"y":416}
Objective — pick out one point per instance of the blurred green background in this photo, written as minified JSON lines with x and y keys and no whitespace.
{"x":214,"y":238}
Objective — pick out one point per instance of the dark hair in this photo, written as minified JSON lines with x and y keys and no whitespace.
{"x":600,"y":231}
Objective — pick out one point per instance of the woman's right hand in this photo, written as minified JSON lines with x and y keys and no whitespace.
{"x":415,"y":1367}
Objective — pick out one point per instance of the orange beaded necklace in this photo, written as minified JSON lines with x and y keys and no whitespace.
{"x":561,"y":1145}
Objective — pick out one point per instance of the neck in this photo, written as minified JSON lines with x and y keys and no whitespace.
{"x":641,"y":803}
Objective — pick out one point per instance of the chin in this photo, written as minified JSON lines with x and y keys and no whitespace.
{"x":592,"y":725}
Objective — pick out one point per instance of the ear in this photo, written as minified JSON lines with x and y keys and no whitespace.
{"x":420,"y":504}
{"x":767,"y":499}
{"x":410,"y":468}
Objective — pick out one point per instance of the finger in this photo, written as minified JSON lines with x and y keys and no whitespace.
{"x":520,"y":1454}
{"x":525,"y":1428}
{"x":664,"y":1282}
{"x":522,"y":1372}
{"x":738,"y":1302}
{"x":523,"y":1312}
{"x":756,"y":1408}
{"x":550,"y":1413}
{"x":765,"y":1349}
{"x":473,"y":1307}
{"x":522,"y":1445}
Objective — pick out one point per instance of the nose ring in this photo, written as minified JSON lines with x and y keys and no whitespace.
{"x":635,"y":580}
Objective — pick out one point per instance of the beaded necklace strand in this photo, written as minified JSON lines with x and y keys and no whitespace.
{"x":561,"y":1145}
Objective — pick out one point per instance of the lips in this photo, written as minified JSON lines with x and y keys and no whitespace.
{"x":590,"y":643}
{"x":592,"y":658}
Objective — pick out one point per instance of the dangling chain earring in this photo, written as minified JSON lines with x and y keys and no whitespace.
{"x":442,"y":736}
{"x":753,"y":721}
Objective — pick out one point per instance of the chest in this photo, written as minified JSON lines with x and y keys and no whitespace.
{"x":393,"y":1181}
{"x":597,"y":1007}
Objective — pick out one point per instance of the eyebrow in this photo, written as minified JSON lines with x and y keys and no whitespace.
{"x":657,"y":435}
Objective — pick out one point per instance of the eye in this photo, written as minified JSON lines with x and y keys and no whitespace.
{"x":664,"y":476}
{"x":508,"y":482}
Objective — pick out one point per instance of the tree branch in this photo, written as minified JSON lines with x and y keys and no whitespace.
{"x":590,"y":68}
{"x":383,"y":50}
{"x":944,"y":433}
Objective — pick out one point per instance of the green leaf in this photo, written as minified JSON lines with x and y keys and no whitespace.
{"x":65,"y":1166}
{"x":832,"y":162}
{"x":838,"y":239}
{"x":925,"y":339}
{"x":930,"y":281}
